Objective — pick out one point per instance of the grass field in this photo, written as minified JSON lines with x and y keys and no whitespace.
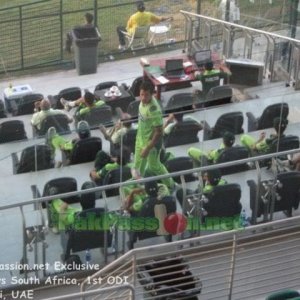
{"x":37,"y":39}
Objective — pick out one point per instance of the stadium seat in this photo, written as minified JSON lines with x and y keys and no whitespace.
{"x":115,"y":176}
{"x":129,"y":139}
{"x":267,"y":117}
{"x":85,"y":150}
{"x":281,"y":194}
{"x":33,"y":158}
{"x":284,"y":295}
{"x":185,"y":132}
{"x":153,"y":208}
{"x":97,"y":116}
{"x":105,"y":85}
{"x":232,"y":154}
{"x":60,"y":122}
{"x":12,"y":130}
{"x":71,"y":94}
{"x":88,"y":238}
{"x":139,"y":39}
{"x":179,"y":164}
{"x":26,"y":105}
{"x":179,"y":102}
{"x":230,"y":122}
{"x":133,"y":108}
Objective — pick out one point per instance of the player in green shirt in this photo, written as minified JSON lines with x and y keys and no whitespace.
{"x":149,"y":136}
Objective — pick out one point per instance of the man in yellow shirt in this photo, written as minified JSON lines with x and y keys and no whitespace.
{"x":140,"y":18}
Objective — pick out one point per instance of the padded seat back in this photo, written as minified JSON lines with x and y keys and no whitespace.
{"x":35,"y":158}
{"x":115,"y":176}
{"x":129,"y":139}
{"x":85,"y":150}
{"x":285,"y":143}
{"x":72,"y":93}
{"x":231,"y":122}
{"x":179,"y":164}
{"x":26,"y":104}
{"x":224,"y":201}
{"x":133,"y":108}
{"x":185,"y":132}
{"x":60,"y":122}
{"x":179,"y":102}
{"x":98,"y":115}
{"x":63,"y":185}
{"x":12,"y":130}
{"x":219,"y":95}
{"x":233,"y":154}
{"x":105,"y":85}
{"x":89,"y":237}
{"x":270,"y":113}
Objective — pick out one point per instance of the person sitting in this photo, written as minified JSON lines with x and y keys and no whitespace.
{"x":140,"y":18}
{"x":105,"y":163}
{"x":63,"y":214}
{"x":115,"y":134}
{"x":262,"y":145}
{"x":198,"y":156}
{"x":89,"y":18}
{"x":42,"y":110}
{"x":209,"y":78}
{"x":85,"y":104}
{"x":211,"y":179}
{"x":55,"y":141}
{"x":175,"y":118}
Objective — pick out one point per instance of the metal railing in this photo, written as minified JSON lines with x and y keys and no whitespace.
{"x":33,"y":34}
{"x":277,"y":52}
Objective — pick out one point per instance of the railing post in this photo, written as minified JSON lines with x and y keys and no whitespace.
{"x":61,"y":29}
{"x":96,"y":13}
{"x":233,"y":256}
{"x":21,"y":37}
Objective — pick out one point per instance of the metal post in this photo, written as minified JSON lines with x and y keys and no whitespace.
{"x":233,"y":257}
{"x":96,"y":13}
{"x":61,"y":29}
{"x":292,"y":27}
{"x":21,"y":37}
{"x":197,"y":31}
{"x":227,"y":12}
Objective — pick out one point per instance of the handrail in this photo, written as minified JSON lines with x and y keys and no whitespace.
{"x":158,"y":177}
{"x":275,"y":35}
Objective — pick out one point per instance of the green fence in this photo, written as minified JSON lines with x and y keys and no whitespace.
{"x":33,"y":34}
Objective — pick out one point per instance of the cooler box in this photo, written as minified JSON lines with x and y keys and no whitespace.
{"x":15,"y":93}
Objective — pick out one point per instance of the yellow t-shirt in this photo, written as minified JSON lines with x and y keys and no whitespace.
{"x":141,"y":19}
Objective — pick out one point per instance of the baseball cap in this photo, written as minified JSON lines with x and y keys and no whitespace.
{"x":140,"y":5}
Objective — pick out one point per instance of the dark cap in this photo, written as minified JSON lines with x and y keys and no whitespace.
{"x":140,"y":5}
{"x":83,"y":129}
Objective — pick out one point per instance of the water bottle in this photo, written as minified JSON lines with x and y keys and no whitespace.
{"x":88,"y":256}
{"x":244,"y":219}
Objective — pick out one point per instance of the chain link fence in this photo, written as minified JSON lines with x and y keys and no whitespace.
{"x":33,"y":34}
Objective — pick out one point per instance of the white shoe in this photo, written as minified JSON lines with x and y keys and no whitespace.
{"x":122,"y":48}
{"x":65,"y":104}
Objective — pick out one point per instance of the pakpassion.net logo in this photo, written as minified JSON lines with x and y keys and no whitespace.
{"x":173,"y":223}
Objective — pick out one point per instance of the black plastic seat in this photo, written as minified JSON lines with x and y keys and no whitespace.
{"x":12,"y":130}
{"x":133,"y":108}
{"x":266,"y":119}
{"x":286,"y":195}
{"x":115,"y":176}
{"x":179,"y":164}
{"x":233,"y":154}
{"x":33,"y":158}
{"x":134,"y":89}
{"x":129,"y":139}
{"x":229,"y":122}
{"x":71,"y":93}
{"x":26,"y":105}
{"x":179,"y":102}
{"x":153,"y":208}
{"x":97,"y":116}
{"x":105,"y":85}
{"x":224,"y":201}
{"x":185,"y":132}
{"x":218,"y":95}
{"x":2,"y":109}
{"x":85,"y":150}
{"x":60,"y":122}
{"x":90,"y":237}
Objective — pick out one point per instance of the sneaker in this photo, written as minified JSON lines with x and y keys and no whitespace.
{"x":65,"y":104}
{"x":49,"y":136}
{"x":122,"y":48}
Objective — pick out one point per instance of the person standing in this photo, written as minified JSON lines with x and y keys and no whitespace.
{"x":149,"y":136}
